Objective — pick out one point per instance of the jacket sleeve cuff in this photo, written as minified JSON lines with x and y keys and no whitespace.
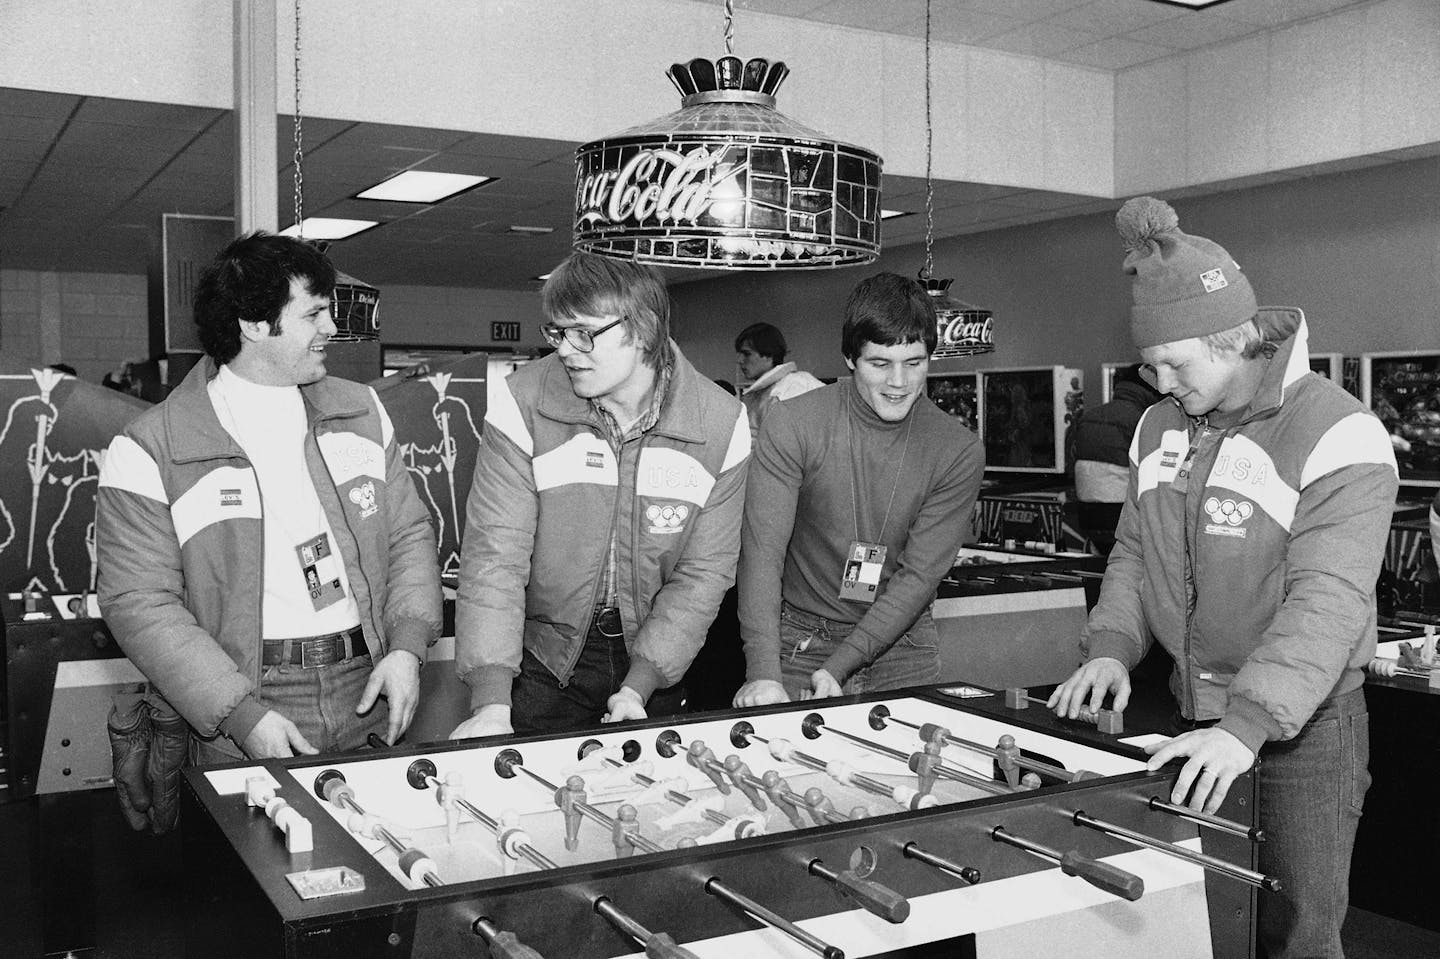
{"x":243,"y":718}
{"x":1110,"y":645}
{"x":761,"y":663}
{"x":411,"y":635}
{"x":643,"y":677}
{"x":489,"y":685}
{"x":1248,"y":722}
{"x":844,"y":661}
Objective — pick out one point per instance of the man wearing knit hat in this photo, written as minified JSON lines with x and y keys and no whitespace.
{"x":1249,"y":544}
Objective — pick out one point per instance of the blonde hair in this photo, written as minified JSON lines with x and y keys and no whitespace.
{"x":1245,"y":339}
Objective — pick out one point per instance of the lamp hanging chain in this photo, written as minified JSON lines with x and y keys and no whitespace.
{"x":730,"y":27}
{"x":299,"y":137}
{"x":929,"y":153}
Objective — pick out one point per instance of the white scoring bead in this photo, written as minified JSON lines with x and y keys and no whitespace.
{"x":781,"y":749}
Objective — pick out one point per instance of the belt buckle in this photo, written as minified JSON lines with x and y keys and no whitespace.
{"x":315,"y":653}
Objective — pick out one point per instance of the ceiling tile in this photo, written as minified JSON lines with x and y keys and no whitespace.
{"x":1116,"y":53}
{"x":1040,"y":39}
{"x":1190,"y":32}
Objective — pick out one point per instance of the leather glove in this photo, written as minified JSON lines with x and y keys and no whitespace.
{"x":169,"y":752}
{"x":128,"y":728}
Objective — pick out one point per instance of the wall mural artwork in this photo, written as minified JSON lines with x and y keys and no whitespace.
{"x":438,"y":409}
{"x":52,"y":441}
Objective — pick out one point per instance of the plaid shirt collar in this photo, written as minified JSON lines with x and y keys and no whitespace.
{"x":651,"y":416}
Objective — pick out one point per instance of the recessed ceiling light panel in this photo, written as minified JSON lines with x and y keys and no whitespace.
{"x":422,"y":186}
{"x":328,"y":228}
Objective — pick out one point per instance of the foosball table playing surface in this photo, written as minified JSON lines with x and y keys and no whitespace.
{"x":908,"y":824}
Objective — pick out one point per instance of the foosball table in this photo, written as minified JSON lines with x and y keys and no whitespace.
{"x":914,"y":824}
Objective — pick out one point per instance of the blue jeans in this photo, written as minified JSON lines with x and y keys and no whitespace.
{"x":320,"y":702}
{"x":1312,"y":788}
{"x":540,"y":703}
{"x":807,"y":640}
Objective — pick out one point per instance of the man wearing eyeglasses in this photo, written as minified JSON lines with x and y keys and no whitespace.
{"x":603,"y":523}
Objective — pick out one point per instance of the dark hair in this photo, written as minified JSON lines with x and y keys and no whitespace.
{"x":587,"y":284}
{"x":888,"y":310}
{"x":765,"y":340}
{"x":250,"y":280}
{"x":726,"y":385}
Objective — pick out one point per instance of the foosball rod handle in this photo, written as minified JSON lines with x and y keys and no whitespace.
{"x":502,"y":945}
{"x":658,"y":945}
{"x":1101,"y":875}
{"x":874,"y":898}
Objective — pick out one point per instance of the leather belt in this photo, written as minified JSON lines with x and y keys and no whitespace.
{"x":607,"y":620}
{"x":314,"y":652}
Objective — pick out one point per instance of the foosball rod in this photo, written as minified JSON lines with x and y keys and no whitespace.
{"x":331,"y":786}
{"x":1218,"y":823}
{"x":1101,"y":875}
{"x":742,"y":733}
{"x":508,"y":762}
{"x":1105,"y":720}
{"x":759,"y":913}
{"x":658,"y":945}
{"x":423,"y":771}
{"x":1179,"y":852}
{"x":880,"y":714}
{"x":815,"y":723}
{"x":667,"y":744}
{"x":502,"y":945}
{"x":967,"y":874}
{"x":675,"y":796}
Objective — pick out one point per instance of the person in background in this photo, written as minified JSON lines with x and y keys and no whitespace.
{"x":1102,"y":454}
{"x":264,"y":558}
{"x":1255,"y":520}
{"x":761,"y":351}
{"x":860,"y":496}
{"x":604,"y":518}
{"x":1435,"y":529}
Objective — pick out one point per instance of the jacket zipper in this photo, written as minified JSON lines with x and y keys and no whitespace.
{"x":605,"y":559}
{"x":1192,"y":517}
{"x":345,"y":518}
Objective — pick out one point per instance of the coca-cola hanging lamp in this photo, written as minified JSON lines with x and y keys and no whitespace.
{"x":728,"y":181}
{"x":962,"y":329}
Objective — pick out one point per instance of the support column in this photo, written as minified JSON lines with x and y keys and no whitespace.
{"x":256,"y":195}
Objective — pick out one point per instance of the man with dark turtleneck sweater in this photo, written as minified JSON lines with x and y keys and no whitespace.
{"x":860,"y":495}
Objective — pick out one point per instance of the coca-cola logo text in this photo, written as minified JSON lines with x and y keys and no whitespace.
{"x":661,"y":185}
{"x":964,"y":329}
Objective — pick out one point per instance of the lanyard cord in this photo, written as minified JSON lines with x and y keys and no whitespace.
{"x":856,"y":463}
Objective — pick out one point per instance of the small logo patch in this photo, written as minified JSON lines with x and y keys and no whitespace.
{"x":1214,"y":280}
{"x":595,"y":460}
{"x":667,"y":519}
{"x":230,"y":497}
{"x":363,"y":496}
{"x":1227,"y":516}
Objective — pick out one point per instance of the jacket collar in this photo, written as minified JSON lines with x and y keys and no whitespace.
{"x":769,"y":378}
{"x":1286,"y":327}
{"x":193,"y":429}
{"x":681,"y":415}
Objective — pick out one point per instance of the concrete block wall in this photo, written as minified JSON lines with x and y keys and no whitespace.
{"x":93,"y":321}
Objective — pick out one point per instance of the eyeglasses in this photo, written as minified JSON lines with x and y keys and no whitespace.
{"x":583,"y":340}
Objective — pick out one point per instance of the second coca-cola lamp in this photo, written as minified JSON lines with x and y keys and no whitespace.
{"x":728,"y":181}
{"x":962,"y":329}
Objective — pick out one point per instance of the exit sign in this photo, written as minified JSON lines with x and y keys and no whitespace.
{"x":505,"y":332}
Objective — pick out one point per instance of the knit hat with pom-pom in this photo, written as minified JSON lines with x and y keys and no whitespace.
{"x":1185,"y":286}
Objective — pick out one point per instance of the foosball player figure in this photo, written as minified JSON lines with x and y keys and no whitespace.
{"x":568,"y":798}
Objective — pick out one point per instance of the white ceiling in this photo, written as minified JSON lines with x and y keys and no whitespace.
{"x":83,"y":180}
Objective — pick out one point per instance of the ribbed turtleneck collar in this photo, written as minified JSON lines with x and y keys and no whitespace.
{"x":865,"y":416}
